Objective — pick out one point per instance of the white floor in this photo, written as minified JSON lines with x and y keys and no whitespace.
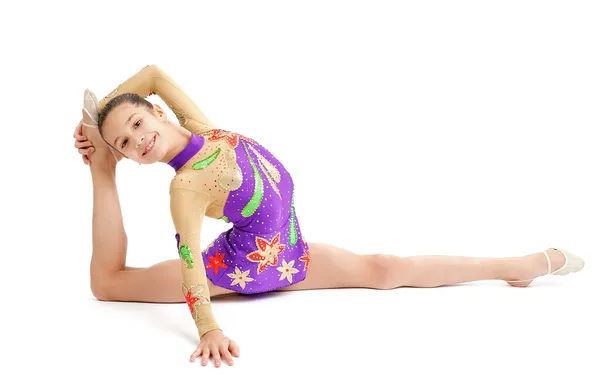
{"x":544,"y":336}
{"x":460,"y":128}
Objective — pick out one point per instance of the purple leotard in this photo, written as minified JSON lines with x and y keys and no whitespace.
{"x":264,"y":249}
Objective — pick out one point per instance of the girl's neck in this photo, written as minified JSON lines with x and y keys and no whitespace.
{"x":181,"y":138}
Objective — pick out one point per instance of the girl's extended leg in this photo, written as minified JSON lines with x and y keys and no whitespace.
{"x":333,"y":267}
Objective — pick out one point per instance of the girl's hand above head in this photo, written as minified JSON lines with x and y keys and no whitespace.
{"x":88,"y":141}
{"x":215,"y":344}
{"x":82,"y":144}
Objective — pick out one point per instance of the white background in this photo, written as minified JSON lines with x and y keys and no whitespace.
{"x":429,"y":127}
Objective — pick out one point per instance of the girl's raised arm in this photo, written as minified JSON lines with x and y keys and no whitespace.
{"x":153,"y":80}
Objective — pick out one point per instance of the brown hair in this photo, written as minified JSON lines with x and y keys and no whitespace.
{"x":128,"y":97}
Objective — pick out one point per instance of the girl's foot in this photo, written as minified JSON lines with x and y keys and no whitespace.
{"x":91,"y":112}
{"x":100,"y":151}
{"x":535,"y":265}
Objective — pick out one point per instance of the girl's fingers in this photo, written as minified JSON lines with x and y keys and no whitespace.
{"x":83,"y":144}
{"x":205,"y":355}
{"x":233,"y":347}
{"x":216,"y":356}
{"x":196,"y":353}
{"x":87,"y":151}
{"x":78,"y":134}
{"x":227,"y":356}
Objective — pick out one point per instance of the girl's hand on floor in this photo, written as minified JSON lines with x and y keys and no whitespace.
{"x":216,"y":344}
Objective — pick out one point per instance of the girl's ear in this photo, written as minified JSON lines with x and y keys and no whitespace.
{"x":160,"y":112}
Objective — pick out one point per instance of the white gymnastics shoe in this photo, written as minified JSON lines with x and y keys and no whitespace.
{"x":92,"y":109}
{"x":573,"y":263}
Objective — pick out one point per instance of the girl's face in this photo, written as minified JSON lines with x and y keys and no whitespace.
{"x":139,"y":134}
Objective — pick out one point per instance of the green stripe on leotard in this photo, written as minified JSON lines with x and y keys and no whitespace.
{"x":293,"y":236}
{"x":257,"y":197}
{"x":206,"y":162}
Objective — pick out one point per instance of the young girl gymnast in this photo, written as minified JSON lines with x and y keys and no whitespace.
{"x":224,"y":175}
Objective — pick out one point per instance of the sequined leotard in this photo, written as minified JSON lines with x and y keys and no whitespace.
{"x":231,"y":177}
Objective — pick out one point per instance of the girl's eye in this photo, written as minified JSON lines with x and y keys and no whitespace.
{"x":123,"y":144}
{"x":137,"y":123}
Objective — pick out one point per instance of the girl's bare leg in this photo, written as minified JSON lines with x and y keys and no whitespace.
{"x":333,"y":267}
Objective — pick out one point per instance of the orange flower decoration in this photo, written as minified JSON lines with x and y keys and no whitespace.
{"x":305,"y":259}
{"x":191,"y":300}
{"x":231,"y":138}
{"x":216,"y":262}
{"x":267,"y":252}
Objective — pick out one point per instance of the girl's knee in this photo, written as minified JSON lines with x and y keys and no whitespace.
{"x":388,"y":271}
{"x":99,"y":291}
{"x":103,"y":274}
{"x":100,"y":284}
